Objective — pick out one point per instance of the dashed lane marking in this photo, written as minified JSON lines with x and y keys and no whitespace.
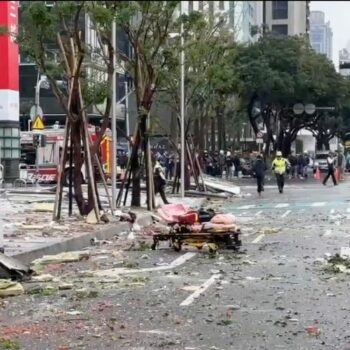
{"x":286,"y":214}
{"x":332,"y":211}
{"x":282,"y":205}
{"x":259,"y":213}
{"x":247,"y":207}
{"x":318,"y":204}
{"x":259,"y":238}
{"x":348,"y":210}
{"x":202,"y":288}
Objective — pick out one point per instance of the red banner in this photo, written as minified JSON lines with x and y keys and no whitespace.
{"x":9,"y":62}
{"x":9,"y":48}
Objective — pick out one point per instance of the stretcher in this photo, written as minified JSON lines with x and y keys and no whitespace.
{"x":189,"y":227}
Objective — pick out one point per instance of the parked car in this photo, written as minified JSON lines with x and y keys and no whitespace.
{"x":321,"y":161}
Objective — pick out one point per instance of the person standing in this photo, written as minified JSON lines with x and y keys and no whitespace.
{"x":279,"y":167}
{"x":237,"y":164}
{"x":294,"y":165}
{"x":259,"y":170}
{"x":331,"y":168}
{"x":229,"y":165}
{"x":159,"y":181}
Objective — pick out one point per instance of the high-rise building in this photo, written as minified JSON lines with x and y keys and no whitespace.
{"x":344,"y":61}
{"x":287,"y":17}
{"x":321,"y":35}
{"x":240,"y":17}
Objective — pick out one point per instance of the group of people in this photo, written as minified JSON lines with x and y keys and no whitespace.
{"x":299,"y":165}
{"x":295,"y":165}
{"x":220,"y":163}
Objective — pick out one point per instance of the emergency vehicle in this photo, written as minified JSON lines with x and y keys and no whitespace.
{"x":40,"y":157}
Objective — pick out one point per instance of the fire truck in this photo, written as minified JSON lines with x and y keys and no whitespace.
{"x":40,"y":156}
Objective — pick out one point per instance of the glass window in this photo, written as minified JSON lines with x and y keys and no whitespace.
{"x":200,"y":5}
{"x":279,"y":9}
{"x":280,"y":29}
{"x":7,"y":132}
{"x":221,"y":5}
{"x":190,"y":6}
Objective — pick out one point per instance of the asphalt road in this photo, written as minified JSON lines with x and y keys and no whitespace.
{"x":264,"y":297}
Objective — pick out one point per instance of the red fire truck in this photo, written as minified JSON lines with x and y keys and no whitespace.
{"x":39,"y":163}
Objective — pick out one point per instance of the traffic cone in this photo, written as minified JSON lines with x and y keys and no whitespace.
{"x":317,"y":174}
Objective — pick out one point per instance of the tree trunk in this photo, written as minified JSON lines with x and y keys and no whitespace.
{"x":78,"y":162}
{"x":220,"y":125}
{"x":286,"y":145}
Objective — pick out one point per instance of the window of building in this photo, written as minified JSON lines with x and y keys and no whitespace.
{"x":190,"y":6}
{"x":221,"y":5}
{"x":200,"y":5}
{"x":280,"y":29}
{"x":279,"y":9}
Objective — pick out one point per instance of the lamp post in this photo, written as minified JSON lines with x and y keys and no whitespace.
{"x":182,"y":121}
{"x":114,"y":124}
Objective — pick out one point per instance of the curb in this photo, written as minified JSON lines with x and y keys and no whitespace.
{"x":82,"y":241}
{"x":72,"y":244}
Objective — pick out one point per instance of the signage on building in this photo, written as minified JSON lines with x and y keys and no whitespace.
{"x":9,"y":77}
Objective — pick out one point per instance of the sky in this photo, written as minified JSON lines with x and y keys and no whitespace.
{"x":337,"y":13}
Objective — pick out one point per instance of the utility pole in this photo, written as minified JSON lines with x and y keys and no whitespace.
{"x":182,"y":122}
{"x":114,"y":123}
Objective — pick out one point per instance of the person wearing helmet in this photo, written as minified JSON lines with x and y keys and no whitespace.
{"x":279,"y":167}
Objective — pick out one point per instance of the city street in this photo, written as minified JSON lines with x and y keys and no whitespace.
{"x":273,"y":294}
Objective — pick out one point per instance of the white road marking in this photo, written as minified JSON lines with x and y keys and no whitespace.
{"x":348,"y":210}
{"x":318,"y":204}
{"x":327,"y":233}
{"x":247,"y":207}
{"x":259,"y":238}
{"x":202,"y":288}
{"x":258,"y":213}
{"x":333,"y":211}
{"x":286,"y":214}
{"x":124,"y":271}
{"x":282,"y":205}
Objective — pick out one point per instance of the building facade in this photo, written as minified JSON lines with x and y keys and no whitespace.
{"x":287,"y":17}
{"x":321,"y":34}
{"x":240,"y":17}
{"x":344,"y":61}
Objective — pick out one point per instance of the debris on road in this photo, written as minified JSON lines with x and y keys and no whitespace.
{"x":338,"y":264}
{"x":313,"y":331}
{"x":13,"y":268}
{"x":10,"y":288}
{"x":62,"y":258}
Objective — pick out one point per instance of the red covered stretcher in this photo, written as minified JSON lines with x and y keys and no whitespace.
{"x":186,"y":229}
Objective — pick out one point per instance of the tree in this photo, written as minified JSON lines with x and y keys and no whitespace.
{"x":276,"y":73}
{"x":89,"y":80}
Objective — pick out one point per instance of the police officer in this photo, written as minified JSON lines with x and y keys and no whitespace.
{"x":279,"y":167}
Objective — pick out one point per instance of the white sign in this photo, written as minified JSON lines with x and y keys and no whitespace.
{"x":259,"y":134}
{"x":260,"y":140}
{"x":298,"y":108}
{"x":310,"y":108}
{"x":34,"y":111}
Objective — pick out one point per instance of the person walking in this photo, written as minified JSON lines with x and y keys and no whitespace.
{"x":159,"y":180}
{"x":229,"y":166}
{"x":259,"y":170}
{"x":331,"y":169}
{"x":279,"y":167}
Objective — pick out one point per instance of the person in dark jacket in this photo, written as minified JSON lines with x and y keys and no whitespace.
{"x":331,"y":168}
{"x":237,"y":163}
{"x":259,"y":170}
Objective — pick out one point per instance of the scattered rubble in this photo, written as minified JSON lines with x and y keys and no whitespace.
{"x":10,"y":288}
{"x":62,"y":258}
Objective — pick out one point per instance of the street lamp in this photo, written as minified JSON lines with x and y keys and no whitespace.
{"x":182,"y":104}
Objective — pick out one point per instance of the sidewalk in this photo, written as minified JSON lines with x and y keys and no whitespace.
{"x":29,"y":234}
